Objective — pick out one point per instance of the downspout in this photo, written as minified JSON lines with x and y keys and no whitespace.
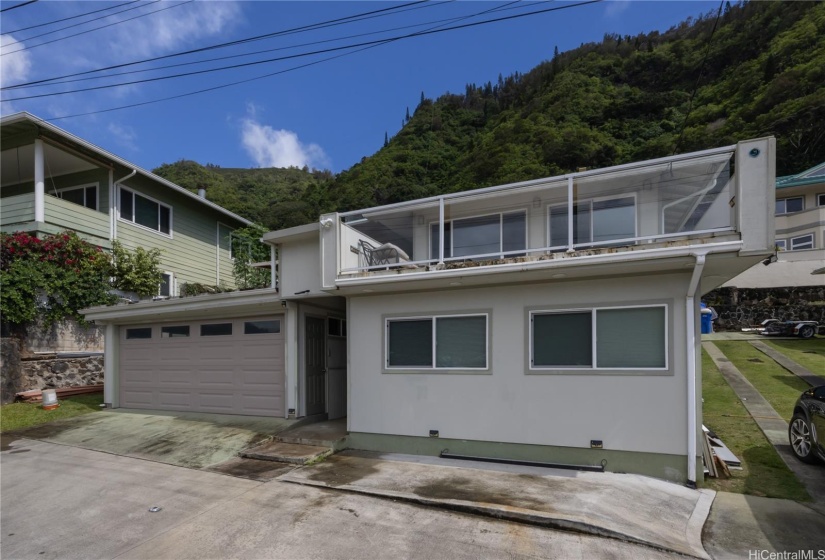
{"x":690,"y":323}
{"x":116,"y":193}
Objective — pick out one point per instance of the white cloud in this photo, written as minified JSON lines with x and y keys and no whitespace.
{"x":269,"y":147}
{"x":124,"y":136}
{"x":616,"y":7}
{"x":14,"y":66}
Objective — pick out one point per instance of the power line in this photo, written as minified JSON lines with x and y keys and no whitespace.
{"x":17,"y":6}
{"x":698,"y":79}
{"x":98,"y":28}
{"x":320,"y":25}
{"x":301,"y":55}
{"x":74,"y":24}
{"x":156,"y":68}
{"x":223,"y":86}
{"x":61,"y":20}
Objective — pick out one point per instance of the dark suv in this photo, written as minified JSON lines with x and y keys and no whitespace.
{"x":807,"y":429}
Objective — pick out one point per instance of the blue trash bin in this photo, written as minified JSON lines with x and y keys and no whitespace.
{"x":707,"y":321}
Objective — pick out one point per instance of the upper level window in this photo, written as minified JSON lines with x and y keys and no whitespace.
{"x":594,"y":221}
{"x":802,"y":242}
{"x":481,"y":235}
{"x":144,"y":211}
{"x":167,"y":285}
{"x":437,"y":342}
{"x":820,"y":199}
{"x":84,"y":196}
{"x":781,"y":244}
{"x":788,"y":205}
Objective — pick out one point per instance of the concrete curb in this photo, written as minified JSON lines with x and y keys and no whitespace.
{"x":529,"y":517}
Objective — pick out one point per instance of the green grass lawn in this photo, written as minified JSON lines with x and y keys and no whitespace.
{"x":780,"y":387}
{"x":809,"y":354}
{"x":763,"y":471}
{"x":15,"y":416}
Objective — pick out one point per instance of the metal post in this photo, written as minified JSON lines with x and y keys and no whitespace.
{"x":441,"y":230}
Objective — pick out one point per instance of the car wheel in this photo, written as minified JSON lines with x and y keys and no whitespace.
{"x":799,"y":434}
{"x":806,"y":331}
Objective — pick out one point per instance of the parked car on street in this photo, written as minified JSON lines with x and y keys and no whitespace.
{"x":802,"y":329}
{"x":807,"y":430}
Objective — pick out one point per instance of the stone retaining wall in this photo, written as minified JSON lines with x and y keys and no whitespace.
{"x":744,"y":307}
{"x":52,"y":372}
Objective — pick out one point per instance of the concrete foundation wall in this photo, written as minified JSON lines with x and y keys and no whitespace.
{"x":628,"y":410}
{"x":62,"y":336}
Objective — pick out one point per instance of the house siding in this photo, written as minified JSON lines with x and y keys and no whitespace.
{"x":628,"y":411}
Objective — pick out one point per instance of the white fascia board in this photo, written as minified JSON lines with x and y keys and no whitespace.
{"x":561,"y":264}
{"x":124,"y":313}
{"x":24,"y":116}
{"x":291,"y":234}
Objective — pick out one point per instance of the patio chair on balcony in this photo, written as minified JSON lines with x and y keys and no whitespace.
{"x":384,"y":254}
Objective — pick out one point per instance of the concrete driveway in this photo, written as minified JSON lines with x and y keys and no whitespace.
{"x":176,"y":438}
{"x":66,"y":502}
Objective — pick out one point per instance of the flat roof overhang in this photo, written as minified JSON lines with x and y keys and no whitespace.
{"x":206,"y":306}
{"x":723,"y":262}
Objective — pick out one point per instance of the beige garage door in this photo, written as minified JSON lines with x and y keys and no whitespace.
{"x":233,"y":366}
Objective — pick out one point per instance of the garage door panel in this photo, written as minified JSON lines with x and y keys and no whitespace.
{"x":233,"y":374}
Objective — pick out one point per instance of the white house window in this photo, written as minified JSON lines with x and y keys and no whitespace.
{"x":788,"y":205}
{"x":603,"y":338}
{"x":594,"y":221}
{"x":820,"y":199}
{"x":144,"y":211}
{"x":781,"y":244}
{"x":481,"y":235}
{"x":336,"y":327}
{"x":802,"y":242}
{"x":85,"y":195}
{"x":437,"y":342}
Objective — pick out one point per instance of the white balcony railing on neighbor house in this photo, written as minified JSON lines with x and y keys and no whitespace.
{"x":626,"y":205}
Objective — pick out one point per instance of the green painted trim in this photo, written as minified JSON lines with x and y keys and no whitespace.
{"x":659,"y":465}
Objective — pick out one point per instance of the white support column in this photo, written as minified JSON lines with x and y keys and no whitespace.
{"x":111,"y":359}
{"x":292,"y":351}
{"x":273,"y":279}
{"x":112,"y":206}
{"x":39,"y":182}
{"x":441,"y":230}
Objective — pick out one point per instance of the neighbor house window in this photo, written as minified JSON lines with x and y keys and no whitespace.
{"x":781,"y":244}
{"x":437,"y":342}
{"x":84,"y":196}
{"x":820,"y":199}
{"x":216,"y":329}
{"x":144,"y":332}
{"x":481,"y":235}
{"x":603,"y":338}
{"x":594,"y":221}
{"x":788,"y":205}
{"x":145,"y":212}
{"x":167,"y":285}
{"x":802,"y":242}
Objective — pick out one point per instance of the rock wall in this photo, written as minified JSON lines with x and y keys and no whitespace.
{"x":745,"y":307}
{"x":54,"y":373}
{"x":9,"y":369}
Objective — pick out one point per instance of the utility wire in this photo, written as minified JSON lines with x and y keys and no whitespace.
{"x":156,"y":68}
{"x":255,"y":78}
{"x":223,"y":45}
{"x":77,"y":24}
{"x":301,"y":55}
{"x":17,"y":6}
{"x":698,"y":79}
{"x":98,"y":28}
{"x":61,"y":20}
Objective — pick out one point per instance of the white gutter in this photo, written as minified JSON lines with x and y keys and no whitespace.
{"x":628,"y":256}
{"x":690,"y":323}
{"x":113,"y":201}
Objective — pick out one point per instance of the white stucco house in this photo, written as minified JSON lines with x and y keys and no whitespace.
{"x":553,"y":320}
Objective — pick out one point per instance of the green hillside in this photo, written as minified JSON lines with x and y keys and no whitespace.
{"x":758,"y":70}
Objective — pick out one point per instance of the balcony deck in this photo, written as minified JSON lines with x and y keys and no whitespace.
{"x":17,"y":214}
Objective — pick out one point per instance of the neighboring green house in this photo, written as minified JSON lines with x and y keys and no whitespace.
{"x":52,"y":181}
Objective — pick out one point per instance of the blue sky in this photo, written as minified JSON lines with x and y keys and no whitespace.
{"x":328,"y":115}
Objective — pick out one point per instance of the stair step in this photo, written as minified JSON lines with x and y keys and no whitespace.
{"x":282,"y":452}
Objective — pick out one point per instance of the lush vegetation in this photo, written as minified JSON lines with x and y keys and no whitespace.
{"x":16,"y":416}
{"x":763,"y":471}
{"x":54,"y":277}
{"x":758,"y":70}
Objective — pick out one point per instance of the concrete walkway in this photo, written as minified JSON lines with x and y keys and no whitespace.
{"x":627,"y":507}
{"x":772,"y":425}
{"x":803,"y":373}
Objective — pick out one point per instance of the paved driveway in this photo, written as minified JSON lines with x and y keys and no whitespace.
{"x":66,"y":502}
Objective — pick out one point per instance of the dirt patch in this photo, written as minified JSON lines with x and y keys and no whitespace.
{"x":6,"y":440}
{"x":470,"y":490}
{"x":252,"y":469}
{"x":340,"y":471}
{"x":53,"y":429}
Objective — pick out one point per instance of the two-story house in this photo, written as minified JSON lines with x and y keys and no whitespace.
{"x":52,"y":180}
{"x":554,"y":320}
{"x":800,"y":235}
